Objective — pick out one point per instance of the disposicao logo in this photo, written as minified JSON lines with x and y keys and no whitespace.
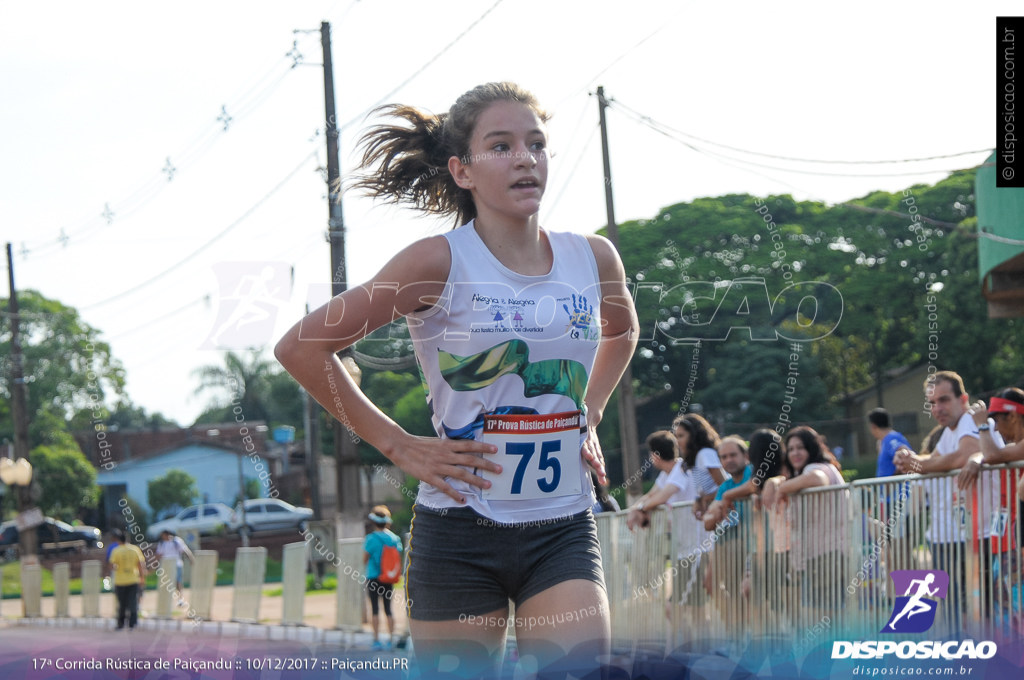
{"x":914,"y":611}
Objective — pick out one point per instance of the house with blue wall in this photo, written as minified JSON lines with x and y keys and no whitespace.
{"x":219,"y":457}
{"x":216,"y":469}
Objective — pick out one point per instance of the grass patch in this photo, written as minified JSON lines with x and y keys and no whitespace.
{"x":329,"y":585}
{"x":10,"y":573}
{"x":226,"y":572}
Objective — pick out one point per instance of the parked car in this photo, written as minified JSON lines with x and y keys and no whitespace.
{"x":207,"y":518}
{"x":262,"y":514}
{"x":52,"y":536}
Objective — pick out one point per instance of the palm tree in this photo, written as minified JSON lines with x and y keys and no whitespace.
{"x":240,"y":382}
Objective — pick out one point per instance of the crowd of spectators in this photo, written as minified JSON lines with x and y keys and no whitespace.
{"x":803,"y":540}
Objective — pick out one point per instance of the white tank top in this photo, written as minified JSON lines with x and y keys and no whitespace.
{"x":506,"y":358}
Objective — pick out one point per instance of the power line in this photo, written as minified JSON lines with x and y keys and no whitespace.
{"x":153,"y":322}
{"x":572,"y":172}
{"x":241,"y":107}
{"x":671,"y":134}
{"x":206,"y":245}
{"x":629,"y":51}
{"x":999,"y":239}
{"x":421,"y":69}
{"x":791,"y":158}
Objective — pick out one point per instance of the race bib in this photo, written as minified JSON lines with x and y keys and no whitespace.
{"x":539,"y":456}
{"x":997,"y":527}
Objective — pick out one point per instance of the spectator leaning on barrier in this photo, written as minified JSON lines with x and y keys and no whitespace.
{"x":1001,"y":421}
{"x":890,"y":441}
{"x":697,"y":443}
{"x":728,"y":559}
{"x":769,"y":575}
{"x":673,"y":485}
{"x":946,"y":535}
{"x":733,"y":453}
{"x":1007,"y":412}
{"x":373,"y":548}
{"x":819,"y":549}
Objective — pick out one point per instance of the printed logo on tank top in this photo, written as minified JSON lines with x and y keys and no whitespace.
{"x":581,"y":319}
{"x":505,"y":314}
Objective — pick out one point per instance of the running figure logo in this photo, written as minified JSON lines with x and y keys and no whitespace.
{"x":251,"y":293}
{"x":914,"y":611}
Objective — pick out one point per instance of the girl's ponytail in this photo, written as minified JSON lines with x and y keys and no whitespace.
{"x":407,"y":162}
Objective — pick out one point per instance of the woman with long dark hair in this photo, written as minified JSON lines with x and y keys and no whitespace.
{"x":698,"y":444}
{"x":819,"y":523}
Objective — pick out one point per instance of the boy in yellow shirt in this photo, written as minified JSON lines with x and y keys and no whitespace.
{"x":129,"y":567}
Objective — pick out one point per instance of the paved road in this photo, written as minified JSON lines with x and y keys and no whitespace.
{"x":42,"y":653}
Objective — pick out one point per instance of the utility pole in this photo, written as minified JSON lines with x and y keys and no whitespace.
{"x":627,"y":402}
{"x":27,"y":536}
{"x":311,"y":420}
{"x":346,"y":456}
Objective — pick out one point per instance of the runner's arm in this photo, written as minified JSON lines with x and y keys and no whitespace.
{"x":412,"y":280}
{"x":619,"y":331}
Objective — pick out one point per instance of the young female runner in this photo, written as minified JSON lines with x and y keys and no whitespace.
{"x":521,"y":334}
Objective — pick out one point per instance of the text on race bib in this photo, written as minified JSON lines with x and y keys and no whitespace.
{"x":539,"y":455}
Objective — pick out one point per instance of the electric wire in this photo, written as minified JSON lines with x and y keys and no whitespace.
{"x":665,"y":24}
{"x":572,"y":172}
{"x":672,"y":134}
{"x":159,"y":319}
{"x":791,"y":158}
{"x":427,"y":64}
{"x":206,"y":245}
{"x":241,"y":107}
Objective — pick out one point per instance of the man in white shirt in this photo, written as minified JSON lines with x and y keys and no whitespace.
{"x":947,"y":531}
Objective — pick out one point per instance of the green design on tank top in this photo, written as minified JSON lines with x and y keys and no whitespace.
{"x":550,"y":376}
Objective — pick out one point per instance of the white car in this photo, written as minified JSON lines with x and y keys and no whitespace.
{"x":208,"y":518}
{"x":262,"y":514}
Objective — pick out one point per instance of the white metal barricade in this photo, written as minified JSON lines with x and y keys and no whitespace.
{"x":817,"y":567}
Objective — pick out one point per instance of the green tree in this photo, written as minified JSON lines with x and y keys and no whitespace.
{"x":125,"y":416}
{"x":67,"y":367}
{"x":887,"y":255}
{"x":175,"y":488}
{"x":140,"y":517}
{"x":252,"y":490}
{"x":66,"y":480}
